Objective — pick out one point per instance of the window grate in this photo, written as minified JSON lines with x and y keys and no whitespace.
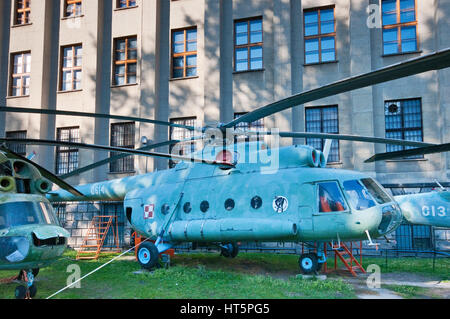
{"x":122,"y":135}
{"x":178,"y":133}
{"x":20,"y":149}
{"x":67,"y":157}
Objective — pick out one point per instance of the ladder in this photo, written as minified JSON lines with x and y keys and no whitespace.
{"x":345,"y":254}
{"x":96,"y":235}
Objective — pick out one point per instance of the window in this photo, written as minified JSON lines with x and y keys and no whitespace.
{"x":122,"y":135}
{"x":20,"y":149}
{"x":256,"y":126}
{"x":330,"y":198}
{"x":320,"y":35}
{"x":71,"y":69}
{"x":248,"y":44}
{"x":357,"y":195}
{"x":22,"y":12}
{"x":126,"y":3}
{"x":323,"y":120}
{"x":399,"y":26}
{"x":67,"y":157}
{"x":178,"y":133}
{"x":125,"y":60}
{"x":20,"y":77}
{"x":184,"y":53}
{"x":72,"y":8}
{"x":403,"y":120}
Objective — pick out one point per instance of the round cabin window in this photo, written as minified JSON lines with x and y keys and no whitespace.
{"x":229,"y":204}
{"x":165,"y":209}
{"x":204,"y":206}
{"x":256,"y":202}
{"x":187,"y":208}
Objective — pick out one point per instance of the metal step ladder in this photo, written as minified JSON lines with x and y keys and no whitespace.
{"x":95,"y":238}
{"x":345,"y":254}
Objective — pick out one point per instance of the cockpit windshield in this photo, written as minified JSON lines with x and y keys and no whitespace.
{"x":330,"y":198}
{"x":26,"y":213}
{"x":376,"y":191}
{"x":358,"y":195}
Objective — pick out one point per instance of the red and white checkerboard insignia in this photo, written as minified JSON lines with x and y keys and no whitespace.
{"x":149,"y":211}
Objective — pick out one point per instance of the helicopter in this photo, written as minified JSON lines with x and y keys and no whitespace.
{"x":30,"y":234}
{"x":230,"y":192}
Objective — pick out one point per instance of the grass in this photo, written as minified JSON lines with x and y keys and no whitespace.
{"x":406,"y":291}
{"x":191,"y":276}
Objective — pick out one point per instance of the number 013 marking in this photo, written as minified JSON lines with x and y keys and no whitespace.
{"x":434,"y":211}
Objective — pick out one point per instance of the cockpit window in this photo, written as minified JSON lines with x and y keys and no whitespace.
{"x":330,"y":198}
{"x":358,"y":196}
{"x":376,"y":191}
{"x":26,"y":213}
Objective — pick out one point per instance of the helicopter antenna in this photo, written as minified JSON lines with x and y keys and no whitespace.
{"x":327,"y":148}
{"x":440,"y":186}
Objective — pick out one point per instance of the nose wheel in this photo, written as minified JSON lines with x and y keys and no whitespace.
{"x":309,"y":263}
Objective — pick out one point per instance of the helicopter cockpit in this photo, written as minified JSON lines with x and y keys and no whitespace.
{"x":15,"y":214}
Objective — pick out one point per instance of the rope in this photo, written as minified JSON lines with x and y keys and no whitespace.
{"x":95,"y":270}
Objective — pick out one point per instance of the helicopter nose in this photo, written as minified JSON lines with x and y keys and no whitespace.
{"x":391,"y":218}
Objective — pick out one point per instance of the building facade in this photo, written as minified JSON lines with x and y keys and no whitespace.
{"x":209,"y":61}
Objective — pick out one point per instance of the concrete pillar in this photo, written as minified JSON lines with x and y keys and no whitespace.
{"x":162,"y":73}
{"x":5,"y":22}
{"x":361,"y":100}
{"x":226,"y":61}
{"x":103,"y":83}
{"x":297,"y":54}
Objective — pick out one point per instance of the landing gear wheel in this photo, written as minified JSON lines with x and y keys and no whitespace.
{"x":21,"y":292}
{"x":308,"y":263}
{"x":229,"y":250}
{"x":33,"y":291}
{"x":148,"y":255}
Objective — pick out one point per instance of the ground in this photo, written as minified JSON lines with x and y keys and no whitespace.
{"x":248,"y":276}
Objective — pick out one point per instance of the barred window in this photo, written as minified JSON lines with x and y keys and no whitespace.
{"x":399,"y":26}
{"x":22,"y":12}
{"x":72,"y":8}
{"x":248,"y":44}
{"x":67,"y":157}
{"x":20,"y":149}
{"x":403,"y":120}
{"x":122,"y":135}
{"x":71,"y":68}
{"x":320,"y":35}
{"x":125,"y":60}
{"x":178,"y":133}
{"x":20,"y":76}
{"x":184,"y":53}
{"x":126,"y":3}
{"x":256,"y":126}
{"x":323,"y":119}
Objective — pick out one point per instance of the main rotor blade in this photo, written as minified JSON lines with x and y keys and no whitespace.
{"x":48,"y":175}
{"x":113,"y":149}
{"x":120,"y":156}
{"x":355,"y":138}
{"x":95,"y":115}
{"x":434,"y":61}
{"x":412,"y":152}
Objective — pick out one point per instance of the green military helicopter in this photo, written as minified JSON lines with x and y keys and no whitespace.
{"x":30,"y":234}
{"x":230,"y":192}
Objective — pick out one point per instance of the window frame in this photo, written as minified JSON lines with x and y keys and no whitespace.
{"x":183,"y":54}
{"x":399,"y":26}
{"x":15,"y":146}
{"x":72,"y":69}
{"x":347,"y":209}
{"x":127,"y":4}
{"x":19,"y":75}
{"x":73,"y":12}
{"x":322,"y":128}
{"x":66,"y":150}
{"x":123,"y":161}
{"x":248,"y":45}
{"x":125,"y":62}
{"x":24,"y":10}
{"x":320,"y":35}
{"x":403,"y":129}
